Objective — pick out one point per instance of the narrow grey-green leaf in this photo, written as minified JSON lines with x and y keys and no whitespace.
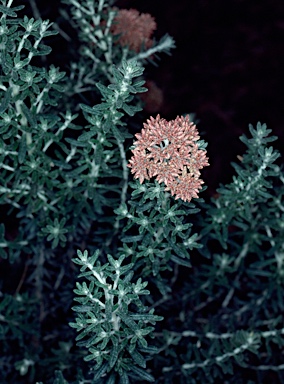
{"x":6,"y":100}
{"x":78,"y":170}
{"x":143,"y":374}
{"x":86,"y":136}
{"x":124,"y":378}
{"x":100,"y":372}
{"x":138,"y":358}
{"x":22,"y":149}
{"x":180,"y":261}
{"x":117,"y":134}
{"x":7,"y":11}
{"x":28,"y":114}
{"x":132,"y":239}
{"x":114,"y":353}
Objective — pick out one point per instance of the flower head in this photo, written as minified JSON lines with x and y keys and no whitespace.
{"x":169,"y":151}
{"x":153,"y":98}
{"x":134,"y":29}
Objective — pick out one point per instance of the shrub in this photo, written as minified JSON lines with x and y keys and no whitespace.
{"x":212,"y":310}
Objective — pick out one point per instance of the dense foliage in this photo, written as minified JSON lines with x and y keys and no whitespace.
{"x":92,"y":214}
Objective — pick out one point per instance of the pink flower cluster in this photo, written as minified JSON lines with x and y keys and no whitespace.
{"x":168,"y":150}
{"x":134,"y":29}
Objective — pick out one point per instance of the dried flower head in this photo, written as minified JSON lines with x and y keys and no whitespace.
{"x":134,"y":29}
{"x":153,"y":98}
{"x":169,"y":151}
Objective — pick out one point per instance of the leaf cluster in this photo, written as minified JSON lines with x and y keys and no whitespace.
{"x":111,"y":318}
{"x":64,"y":185}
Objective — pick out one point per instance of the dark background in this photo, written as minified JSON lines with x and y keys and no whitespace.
{"x":227,"y":69}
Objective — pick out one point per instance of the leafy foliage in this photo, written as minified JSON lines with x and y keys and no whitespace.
{"x":112,"y":319}
{"x":213,"y":269}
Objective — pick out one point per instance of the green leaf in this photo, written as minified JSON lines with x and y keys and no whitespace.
{"x":22,"y":149}
{"x":86,"y":136}
{"x":132,"y":239}
{"x":130,"y":110}
{"x":108,"y":124}
{"x":124,"y":378}
{"x":180,"y":261}
{"x":28,"y":114}
{"x":129,"y":322}
{"x":149,"y":349}
{"x":146,"y":317}
{"x":6,"y":100}
{"x":8,"y":11}
{"x":106,"y":92}
{"x":93,"y":110}
{"x":117,"y":74}
{"x":111,"y":379}
{"x":114,"y":352}
{"x":138,"y":358}
{"x":142,"y":374}
{"x":82,"y":308}
{"x":59,"y":378}
{"x":100,"y":372}
{"x":78,"y":170}
{"x":117,"y":133}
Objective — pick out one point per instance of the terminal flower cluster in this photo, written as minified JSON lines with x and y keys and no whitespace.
{"x":134,"y":28}
{"x":169,"y":151}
